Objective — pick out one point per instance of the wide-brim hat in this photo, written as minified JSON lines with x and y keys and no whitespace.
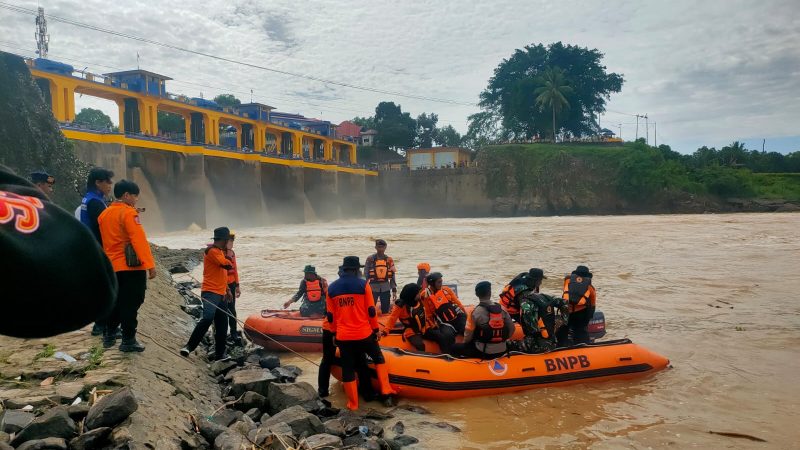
{"x":310,"y":269}
{"x":582,"y":271}
{"x":537,"y":274}
{"x":221,"y":234}
{"x":351,"y":262}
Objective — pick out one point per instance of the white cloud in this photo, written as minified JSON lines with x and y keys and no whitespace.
{"x":709,"y":71}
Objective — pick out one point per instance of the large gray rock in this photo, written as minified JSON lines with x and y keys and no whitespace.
{"x":210,"y":430}
{"x":284,"y":375}
{"x":13,"y":420}
{"x":226,"y":417}
{"x":256,"y":380}
{"x":78,"y":412}
{"x":112,"y":409}
{"x":262,"y":434}
{"x":251,"y":400}
{"x":323,"y":440}
{"x":282,"y":396}
{"x":403,"y":440}
{"x":54,"y":423}
{"x":222,"y":367}
{"x":91,"y":440}
{"x":243,"y":425}
{"x":335,"y":427}
{"x":231,"y":440}
{"x":120,"y":437}
{"x":299,"y":419}
{"x":269,"y":362}
{"x":253,"y":413}
{"x":44,"y":444}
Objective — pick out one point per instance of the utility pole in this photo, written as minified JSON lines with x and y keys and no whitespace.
{"x":620,"y":131}
{"x":763,"y":143}
{"x":637,"y":127}
{"x":42,"y":38}
{"x":647,"y":128}
{"x":655,"y":133}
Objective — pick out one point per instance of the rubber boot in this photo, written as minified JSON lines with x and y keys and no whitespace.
{"x":351,"y":389}
{"x":109,"y":338}
{"x":383,"y":379}
{"x":131,"y":345}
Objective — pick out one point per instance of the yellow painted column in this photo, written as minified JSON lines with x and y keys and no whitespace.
{"x":187,"y":127}
{"x":55,"y":101}
{"x":238,"y":135}
{"x":69,"y":103}
{"x":144,"y":120}
{"x":278,"y":141}
{"x":121,"y":110}
{"x":327,"y":150}
{"x":297,"y":144}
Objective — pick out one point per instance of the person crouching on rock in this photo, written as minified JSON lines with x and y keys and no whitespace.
{"x":353,"y":320}
{"x":214,"y":293}
{"x":313,"y":290}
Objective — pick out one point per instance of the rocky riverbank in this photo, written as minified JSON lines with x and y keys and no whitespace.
{"x":67,"y":392}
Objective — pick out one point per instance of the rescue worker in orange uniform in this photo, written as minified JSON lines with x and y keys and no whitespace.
{"x":125,"y":244}
{"x":215,"y":293}
{"x":580,"y":296}
{"x":509,"y":297}
{"x":488,"y":328}
{"x":313,"y":290}
{"x":381,"y":272}
{"x":423,"y":269}
{"x":353,"y":318}
{"x":236,"y":292}
{"x":445,"y":305}
{"x":411,"y":313}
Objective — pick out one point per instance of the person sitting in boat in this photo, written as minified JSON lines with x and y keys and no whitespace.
{"x":541,"y":316}
{"x":509,"y":297}
{"x":444,"y":303}
{"x":313,"y":289}
{"x":423,"y":269}
{"x":487,"y":329}
{"x":581,"y":297}
{"x":411,"y":313}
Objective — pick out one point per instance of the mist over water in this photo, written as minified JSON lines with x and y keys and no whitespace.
{"x":717,"y":294}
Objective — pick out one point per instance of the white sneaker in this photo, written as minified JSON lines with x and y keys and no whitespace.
{"x":185,"y":351}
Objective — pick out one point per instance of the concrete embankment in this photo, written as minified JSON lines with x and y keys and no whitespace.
{"x":160,"y":400}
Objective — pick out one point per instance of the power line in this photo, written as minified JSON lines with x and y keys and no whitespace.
{"x":233,"y":61}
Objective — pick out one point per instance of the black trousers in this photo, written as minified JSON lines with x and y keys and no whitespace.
{"x":444,"y":336}
{"x":213,"y":311}
{"x":385,"y":299}
{"x":578,"y":324}
{"x":351,"y":352}
{"x":417,"y":341}
{"x":459,"y":323}
{"x":468,"y":350}
{"x":232,"y":309}
{"x":132,"y":286}
{"x":328,"y":356}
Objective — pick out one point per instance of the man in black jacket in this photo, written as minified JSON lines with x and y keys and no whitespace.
{"x":56,"y":276}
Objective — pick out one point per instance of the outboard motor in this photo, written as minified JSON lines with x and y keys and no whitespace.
{"x":597,"y":326}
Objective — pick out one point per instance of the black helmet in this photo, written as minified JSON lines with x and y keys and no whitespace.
{"x":432,"y":277}
{"x":408,"y":294}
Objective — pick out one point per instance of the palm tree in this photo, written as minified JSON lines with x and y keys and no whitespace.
{"x":551,"y":92}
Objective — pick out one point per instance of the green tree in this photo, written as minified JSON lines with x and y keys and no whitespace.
{"x":552,"y":93}
{"x":448,"y":137}
{"x":170,"y":122}
{"x":227,"y":100}
{"x":395,"y":128}
{"x":510,"y":93}
{"x":366,"y":123}
{"x":484,"y":129}
{"x":426,"y":130}
{"x":94,"y":118}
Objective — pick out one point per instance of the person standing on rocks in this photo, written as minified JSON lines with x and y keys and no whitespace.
{"x":381,"y":273}
{"x":125,"y":244}
{"x":98,"y":188}
{"x":353,"y":321}
{"x":214,"y":292}
{"x":235,"y":292}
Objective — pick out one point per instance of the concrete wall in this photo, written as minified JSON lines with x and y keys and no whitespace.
{"x":179,"y":190}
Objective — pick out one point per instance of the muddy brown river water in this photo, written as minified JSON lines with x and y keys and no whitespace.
{"x":717,"y":294}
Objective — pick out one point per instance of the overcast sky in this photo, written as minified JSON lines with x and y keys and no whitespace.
{"x":707,"y":72}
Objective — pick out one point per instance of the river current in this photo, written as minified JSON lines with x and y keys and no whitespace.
{"x":719,"y":295}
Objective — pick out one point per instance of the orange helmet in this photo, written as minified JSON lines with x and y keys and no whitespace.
{"x":424,"y":266}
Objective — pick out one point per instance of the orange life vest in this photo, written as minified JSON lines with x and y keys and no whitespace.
{"x":508,"y":297}
{"x":445,"y":309}
{"x":494,"y":331}
{"x":314,"y":290}
{"x":578,"y":292}
{"x":413,"y":318}
{"x":381,"y":268}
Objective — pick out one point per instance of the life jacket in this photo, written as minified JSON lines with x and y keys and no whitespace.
{"x":314,"y":290}
{"x":509,"y":297}
{"x":494,"y":331}
{"x":446,"y":311}
{"x":415,"y":318}
{"x":577,"y":292}
{"x":91,"y":195}
{"x":232,"y":271}
{"x":381,"y":269}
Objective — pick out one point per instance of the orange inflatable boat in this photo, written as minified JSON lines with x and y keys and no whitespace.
{"x":430,"y":376}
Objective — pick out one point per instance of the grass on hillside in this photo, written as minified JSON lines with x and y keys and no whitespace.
{"x":777,"y":186}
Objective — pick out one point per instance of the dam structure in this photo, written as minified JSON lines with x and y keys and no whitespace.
{"x":247,"y":165}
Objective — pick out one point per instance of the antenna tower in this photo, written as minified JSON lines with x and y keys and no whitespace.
{"x":42,"y":38}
